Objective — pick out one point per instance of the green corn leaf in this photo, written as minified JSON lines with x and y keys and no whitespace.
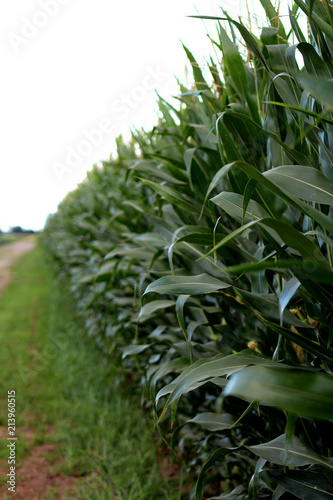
{"x":198,"y":75}
{"x":292,"y":153}
{"x":249,"y":38}
{"x":213,"y":422}
{"x":295,"y":25}
{"x":302,"y":182}
{"x":303,"y":341}
{"x":308,"y":485}
{"x":180,"y":312}
{"x":234,"y":63}
{"x":314,"y":264}
{"x":302,"y":393}
{"x":268,"y":306}
{"x":278,"y":492}
{"x":173,"y":161}
{"x":132,"y":253}
{"x":134,"y":349}
{"x":290,"y":429}
{"x":274,"y":18}
{"x":154,"y":306}
{"x":218,"y":455}
{"x":313,"y":62}
{"x":298,"y":204}
{"x":282,"y":265}
{"x":321,"y":89}
{"x":236,"y":494}
{"x":249,"y":190}
{"x":323,"y":26}
{"x":187,"y":285}
{"x":254,"y":481}
{"x":287,"y":293}
{"x":204,"y":370}
{"x":233,"y":204}
{"x":173,"y":197}
{"x":151,"y":169}
{"x":173,"y":366}
{"x":222,"y":172}
{"x":298,"y":454}
{"x":308,"y":112}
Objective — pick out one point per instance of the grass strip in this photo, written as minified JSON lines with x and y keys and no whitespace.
{"x":61,"y":380}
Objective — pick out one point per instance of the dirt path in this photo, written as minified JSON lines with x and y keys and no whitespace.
{"x":38,"y":477}
{"x":9,"y":254}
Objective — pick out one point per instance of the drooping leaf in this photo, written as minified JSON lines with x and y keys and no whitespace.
{"x":187,"y":285}
{"x":154,"y":306}
{"x":298,"y":454}
{"x":213,"y":421}
{"x":134,"y":349}
{"x":300,"y":392}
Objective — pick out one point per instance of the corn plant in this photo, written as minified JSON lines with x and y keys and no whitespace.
{"x":203,"y":263}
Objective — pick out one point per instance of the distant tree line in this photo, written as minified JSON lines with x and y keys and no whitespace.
{"x":20,"y":230}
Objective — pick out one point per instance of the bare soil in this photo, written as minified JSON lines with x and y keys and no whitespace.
{"x":38,"y":476}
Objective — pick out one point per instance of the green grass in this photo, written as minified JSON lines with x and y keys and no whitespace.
{"x":62,"y":380}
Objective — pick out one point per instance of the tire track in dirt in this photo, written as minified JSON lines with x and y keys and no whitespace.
{"x":38,"y":476}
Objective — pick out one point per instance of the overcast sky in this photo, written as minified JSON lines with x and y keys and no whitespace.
{"x":76,"y":73}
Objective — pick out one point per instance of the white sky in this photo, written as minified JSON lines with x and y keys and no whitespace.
{"x":88,"y":65}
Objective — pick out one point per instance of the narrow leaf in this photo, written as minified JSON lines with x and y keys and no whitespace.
{"x":287,"y":293}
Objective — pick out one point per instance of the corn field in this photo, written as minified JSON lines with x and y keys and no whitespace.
{"x":200,"y":258}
